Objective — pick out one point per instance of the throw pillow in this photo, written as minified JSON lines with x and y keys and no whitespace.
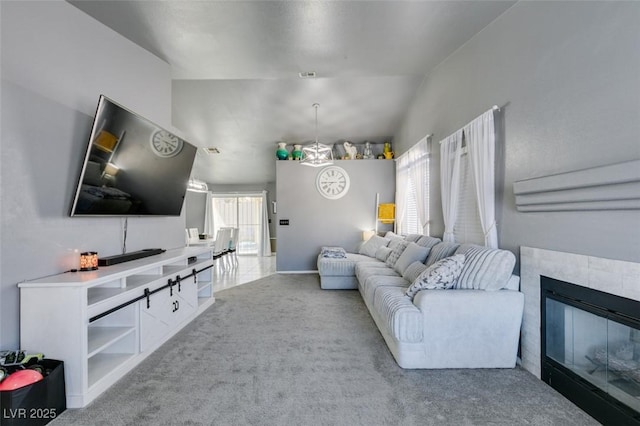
{"x":413,"y":271}
{"x":394,"y":239}
{"x":427,"y":241}
{"x":370,"y":246}
{"x":441,"y":251}
{"x":383,"y":253}
{"x":395,"y":253}
{"x":413,"y":253}
{"x":412,"y":237}
{"x":485,"y":268}
{"x":439,"y":276}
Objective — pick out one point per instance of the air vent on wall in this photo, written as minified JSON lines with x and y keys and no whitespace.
{"x":308,"y":74}
{"x":212,"y":150}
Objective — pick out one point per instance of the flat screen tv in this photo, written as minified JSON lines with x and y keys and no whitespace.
{"x":132,"y":167}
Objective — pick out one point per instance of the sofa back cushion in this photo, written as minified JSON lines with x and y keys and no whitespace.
{"x":396,"y":251}
{"x":383,"y":253}
{"x":372,"y":245}
{"x":394,"y":238}
{"x":441,"y":251}
{"x":413,"y":271}
{"x":427,"y":241}
{"x":413,"y":253}
{"x":412,"y":238}
{"x":485,"y":268}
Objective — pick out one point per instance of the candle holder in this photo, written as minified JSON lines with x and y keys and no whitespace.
{"x":89,"y":261}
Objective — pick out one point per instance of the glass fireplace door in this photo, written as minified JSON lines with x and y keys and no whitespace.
{"x":600,"y":350}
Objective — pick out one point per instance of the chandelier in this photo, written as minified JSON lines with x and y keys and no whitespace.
{"x":317,"y":154}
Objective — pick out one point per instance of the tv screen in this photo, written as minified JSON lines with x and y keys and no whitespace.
{"x":132,"y":167}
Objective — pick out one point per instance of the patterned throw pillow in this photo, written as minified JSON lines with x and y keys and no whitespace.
{"x":439,"y":276}
{"x":396,"y":252}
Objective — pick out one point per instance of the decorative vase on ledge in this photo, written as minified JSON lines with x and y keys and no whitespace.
{"x":281,"y":152}
{"x":296,"y":154}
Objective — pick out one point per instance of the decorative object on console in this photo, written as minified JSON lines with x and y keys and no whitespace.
{"x":333,"y":182}
{"x":281,"y":152}
{"x":89,"y":261}
{"x":317,"y":154}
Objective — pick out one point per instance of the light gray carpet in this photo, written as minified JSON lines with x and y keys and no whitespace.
{"x":281,"y":351}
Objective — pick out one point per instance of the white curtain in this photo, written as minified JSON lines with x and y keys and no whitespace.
{"x":418,"y":157}
{"x":208,"y":215}
{"x":265,"y":243}
{"x":402,"y":187}
{"x":450,"y":150}
{"x":480,"y":136}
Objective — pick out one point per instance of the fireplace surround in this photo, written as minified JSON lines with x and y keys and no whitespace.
{"x":618,"y":277}
{"x":590,"y":349}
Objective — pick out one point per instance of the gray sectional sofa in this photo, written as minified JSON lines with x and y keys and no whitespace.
{"x":475,"y":324}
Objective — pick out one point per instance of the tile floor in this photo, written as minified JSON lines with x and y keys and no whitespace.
{"x":249,"y":268}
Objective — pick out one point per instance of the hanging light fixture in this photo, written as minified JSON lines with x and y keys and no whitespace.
{"x":317,"y":154}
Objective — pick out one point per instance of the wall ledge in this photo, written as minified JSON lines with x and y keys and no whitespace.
{"x":611,"y":187}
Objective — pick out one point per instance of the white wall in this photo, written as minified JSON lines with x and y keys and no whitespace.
{"x":55,"y":63}
{"x":569,"y":75}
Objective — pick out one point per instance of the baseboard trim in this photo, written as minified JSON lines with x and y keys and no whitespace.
{"x":296,"y":272}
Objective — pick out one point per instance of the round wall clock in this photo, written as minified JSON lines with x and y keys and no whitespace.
{"x":332,"y":182}
{"x":165,"y":144}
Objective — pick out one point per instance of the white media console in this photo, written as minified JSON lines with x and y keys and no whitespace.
{"x":103,"y":323}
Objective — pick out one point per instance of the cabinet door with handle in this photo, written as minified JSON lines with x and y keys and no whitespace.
{"x":167,"y":309}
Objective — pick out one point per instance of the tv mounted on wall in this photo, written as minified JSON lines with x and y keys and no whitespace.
{"x":132,"y":167}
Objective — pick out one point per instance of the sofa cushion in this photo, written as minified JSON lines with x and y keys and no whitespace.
{"x":394,"y":238}
{"x":427,"y":241}
{"x":341,"y":266}
{"x":396,"y":252}
{"x":364,"y":272}
{"x":439,"y":276}
{"x":412,"y":238}
{"x":370,"y":246}
{"x":369,"y":286}
{"x":401,"y":317}
{"x":413,"y":271}
{"x":485,"y":268}
{"x":441,"y":251}
{"x":413,"y":253}
{"x":383,"y":253}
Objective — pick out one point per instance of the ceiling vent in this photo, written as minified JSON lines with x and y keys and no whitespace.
{"x":212,"y":150}
{"x":308,"y":74}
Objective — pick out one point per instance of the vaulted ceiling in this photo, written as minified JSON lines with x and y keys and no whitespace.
{"x":235,"y":68}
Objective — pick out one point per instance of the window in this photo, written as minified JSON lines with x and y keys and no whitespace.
{"x":412,"y":193}
{"x":243,"y":212}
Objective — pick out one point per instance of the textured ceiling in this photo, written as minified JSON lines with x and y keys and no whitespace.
{"x":235,"y":67}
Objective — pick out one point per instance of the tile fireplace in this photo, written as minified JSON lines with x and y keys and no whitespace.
{"x":590,"y":349}
{"x":615,"y":277}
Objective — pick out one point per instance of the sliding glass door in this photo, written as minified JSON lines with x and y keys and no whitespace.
{"x":243,"y":212}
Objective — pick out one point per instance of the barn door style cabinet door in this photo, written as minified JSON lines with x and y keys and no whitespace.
{"x":103,"y":323}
